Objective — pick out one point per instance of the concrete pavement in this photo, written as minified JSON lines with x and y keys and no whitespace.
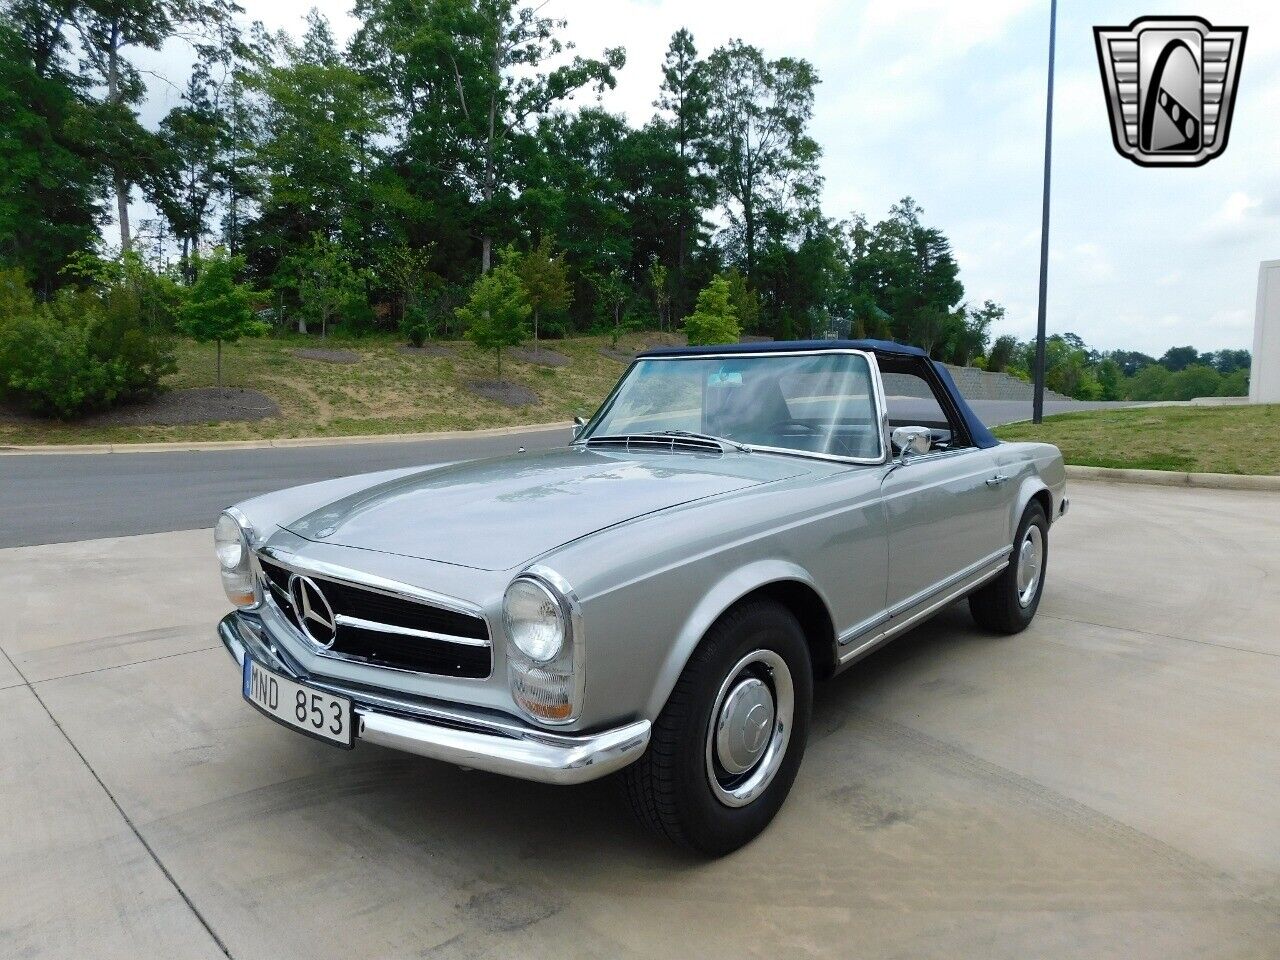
{"x":55,"y":498}
{"x":1102,"y":785}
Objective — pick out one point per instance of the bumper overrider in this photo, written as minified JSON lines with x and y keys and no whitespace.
{"x":450,"y":733}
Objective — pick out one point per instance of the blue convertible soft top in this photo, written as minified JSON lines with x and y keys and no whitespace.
{"x":889,"y":353}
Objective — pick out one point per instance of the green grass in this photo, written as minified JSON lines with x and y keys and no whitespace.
{"x":386,"y":392}
{"x":1228,"y":439}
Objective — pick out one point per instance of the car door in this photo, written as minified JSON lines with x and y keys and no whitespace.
{"x":945,"y":514}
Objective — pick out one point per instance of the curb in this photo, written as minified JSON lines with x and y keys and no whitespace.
{"x":1173,"y":478}
{"x":193,"y":446}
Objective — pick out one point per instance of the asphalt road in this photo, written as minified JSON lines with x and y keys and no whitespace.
{"x":55,"y":498}
{"x":1102,"y":785}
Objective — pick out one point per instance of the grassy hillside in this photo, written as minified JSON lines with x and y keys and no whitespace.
{"x":1231,"y":439}
{"x":388,"y":390}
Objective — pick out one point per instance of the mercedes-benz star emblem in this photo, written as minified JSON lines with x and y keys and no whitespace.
{"x":315,"y":616}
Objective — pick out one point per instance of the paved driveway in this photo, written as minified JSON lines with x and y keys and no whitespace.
{"x":1103,"y":785}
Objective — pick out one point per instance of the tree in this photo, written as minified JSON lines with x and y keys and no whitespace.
{"x":1001,"y":353}
{"x":744,"y":300}
{"x":1179,"y":358}
{"x":1149,"y":383}
{"x":468,"y":76}
{"x":682,"y":99}
{"x":189,"y":159}
{"x":611,"y":293}
{"x":970,"y":338}
{"x":49,"y":171}
{"x":713,"y":320}
{"x":546,"y":282}
{"x":321,"y":122}
{"x":1195,"y":380}
{"x":758,"y":146}
{"x":497,"y":312}
{"x":218,"y":309}
{"x":658,"y":285}
{"x":109,"y":30}
{"x":329,"y":285}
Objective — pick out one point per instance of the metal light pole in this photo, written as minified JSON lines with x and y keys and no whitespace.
{"x":1037,"y":403}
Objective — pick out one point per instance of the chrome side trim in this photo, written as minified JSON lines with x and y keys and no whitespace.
{"x":919,"y":606}
{"x":361,"y":624}
{"x":470,"y":740}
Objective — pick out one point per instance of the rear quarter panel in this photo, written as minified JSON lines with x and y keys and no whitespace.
{"x":1032,"y":467}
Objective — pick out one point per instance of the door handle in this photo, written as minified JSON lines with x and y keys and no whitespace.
{"x":998,"y":479}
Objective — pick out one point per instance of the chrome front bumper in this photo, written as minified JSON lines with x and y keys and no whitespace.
{"x":453,"y":735}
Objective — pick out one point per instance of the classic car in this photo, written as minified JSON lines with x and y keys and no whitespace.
{"x":657,"y":597}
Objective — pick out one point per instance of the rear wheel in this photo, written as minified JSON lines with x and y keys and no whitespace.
{"x":1008,"y":603}
{"x":725,"y":750}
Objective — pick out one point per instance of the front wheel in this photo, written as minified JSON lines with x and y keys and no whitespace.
{"x":1008,"y":603}
{"x":725,"y":749}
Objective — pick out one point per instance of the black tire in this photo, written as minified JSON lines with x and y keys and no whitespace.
{"x":998,"y":605}
{"x":669,"y":788}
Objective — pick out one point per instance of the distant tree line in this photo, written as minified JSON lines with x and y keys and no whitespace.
{"x":1074,"y":369}
{"x":378,"y":184}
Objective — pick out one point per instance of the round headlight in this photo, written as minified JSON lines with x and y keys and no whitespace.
{"x":228,"y":542}
{"x":534,"y":619}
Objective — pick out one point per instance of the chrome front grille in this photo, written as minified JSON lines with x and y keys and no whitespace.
{"x":389,"y":631}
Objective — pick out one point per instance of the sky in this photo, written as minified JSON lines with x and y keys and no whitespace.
{"x":944,"y":100}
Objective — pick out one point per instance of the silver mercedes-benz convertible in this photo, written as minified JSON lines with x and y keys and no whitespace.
{"x":658,"y":596}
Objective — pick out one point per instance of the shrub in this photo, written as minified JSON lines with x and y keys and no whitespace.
{"x":1195,"y":380}
{"x":415,"y":325}
{"x":80,"y":352}
{"x":714,"y":320}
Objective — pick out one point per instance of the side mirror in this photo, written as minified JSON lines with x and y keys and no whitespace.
{"x":911,"y":441}
{"x":578,"y":424}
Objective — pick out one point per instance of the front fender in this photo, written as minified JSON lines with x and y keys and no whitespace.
{"x":727,"y":591}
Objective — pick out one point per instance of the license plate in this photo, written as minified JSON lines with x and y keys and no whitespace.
{"x":311,"y":711}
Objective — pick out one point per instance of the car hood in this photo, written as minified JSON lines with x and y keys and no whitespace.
{"x":497,"y":514}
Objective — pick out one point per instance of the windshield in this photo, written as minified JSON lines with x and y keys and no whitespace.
{"x":809,"y":403}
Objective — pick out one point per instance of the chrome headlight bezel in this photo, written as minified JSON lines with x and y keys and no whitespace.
{"x":239,"y":580}
{"x":549,"y":690}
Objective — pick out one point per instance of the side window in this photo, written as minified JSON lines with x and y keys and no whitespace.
{"x":910,"y":401}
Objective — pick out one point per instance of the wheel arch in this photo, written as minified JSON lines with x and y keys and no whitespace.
{"x":781,"y":581}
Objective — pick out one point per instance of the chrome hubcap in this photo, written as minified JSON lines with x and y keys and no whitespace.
{"x":750,"y":727}
{"x":1030,"y":564}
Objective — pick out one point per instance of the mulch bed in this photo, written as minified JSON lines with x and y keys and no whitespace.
{"x":325,"y":355}
{"x":541,"y":356}
{"x":428,"y":350}
{"x":503,"y":391}
{"x":202,"y":405}
{"x":620,"y":355}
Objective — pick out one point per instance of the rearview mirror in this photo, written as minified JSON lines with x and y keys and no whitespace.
{"x":911,"y":441}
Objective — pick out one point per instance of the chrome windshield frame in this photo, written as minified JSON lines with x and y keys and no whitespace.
{"x":879,"y":412}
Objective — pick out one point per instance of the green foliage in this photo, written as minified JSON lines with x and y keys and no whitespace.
{"x":497,"y":311}
{"x":330,"y":287}
{"x":1235,"y":384}
{"x":757,"y":142}
{"x":1194,"y":380}
{"x":82,"y":351}
{"x":1001,"y":354}
{"x":1149,"y":383}
{"x":714,"y":320}
{"x":219,"y":309}
{"x":611,"y":296}
{"x":744,"y":300}
{"x":546,"y":281}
